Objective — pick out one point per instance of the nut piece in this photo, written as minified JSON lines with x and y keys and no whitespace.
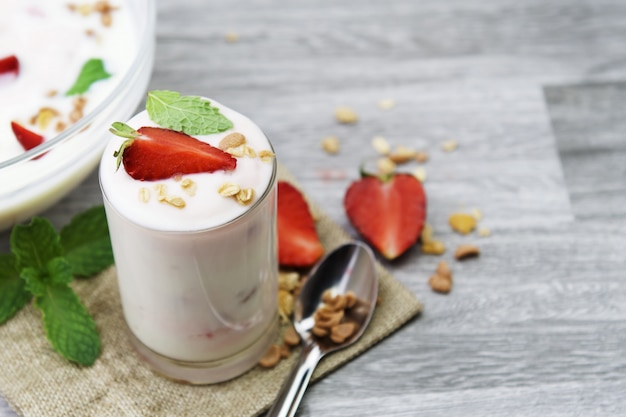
{"x":174,"y":201}
{"x":443,"y":269}
{"x":450,"y":145}
{"x":484,"y":232}
{"x":288,"y":281}
{"x":266,"y":156}
{"x":271,"y":358}
{"x":285,"y":305}
{"x":144,"y":195}
{"x":386,"y":103}
{"x":466,"y":251}
{"x":330,"y":144}
{"x":245,"y":196}
{"x":462,"y":223}
{"x":433,"y":247}
{"x":291,"y":337}
{"x":419,"y":173}
{"x":421,"y":156}
{"x":385,"y":166}
{"x":228,"y":189}
{"x":440,"y":284}
{"x":231,"y":140}
{"x":402,"y":154}
{"x":189,"y":186}
{"x":341,"y":332}
{"x":381,"y":145}
{"x":345,"y":114}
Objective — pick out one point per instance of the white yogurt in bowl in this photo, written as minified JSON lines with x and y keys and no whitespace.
{"x":52,"y":42}
{"x":198,"y":282}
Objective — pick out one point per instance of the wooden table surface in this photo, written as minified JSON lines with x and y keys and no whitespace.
{"x":534,"y":92}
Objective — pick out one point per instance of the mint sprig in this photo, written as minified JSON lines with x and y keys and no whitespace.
{"x":190,"y":114}
{"x":42,"y":265}
{"x":92,"y":71}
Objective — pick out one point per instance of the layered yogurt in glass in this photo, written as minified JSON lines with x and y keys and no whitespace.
{"x":197,"y":279}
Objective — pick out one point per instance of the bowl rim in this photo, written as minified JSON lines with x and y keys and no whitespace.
{"x":146,"y":37}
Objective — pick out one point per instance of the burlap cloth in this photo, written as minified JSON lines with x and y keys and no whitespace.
{"x":36,"y":381}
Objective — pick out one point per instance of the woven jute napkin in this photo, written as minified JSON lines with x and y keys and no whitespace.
{"x":36,"y":381}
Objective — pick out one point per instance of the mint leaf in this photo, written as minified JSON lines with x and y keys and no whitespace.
{"x":13,"y":293}
{"x":86,"y":242}
{"x":60,"y":271}
{"x":35,"y":279}
{"x":69,"y":327}
{"x":190,"y":114}
{"x":35,"y":244}
{"x":92,"y":71}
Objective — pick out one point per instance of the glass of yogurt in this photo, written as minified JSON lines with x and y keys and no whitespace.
{"x":197,"y":270}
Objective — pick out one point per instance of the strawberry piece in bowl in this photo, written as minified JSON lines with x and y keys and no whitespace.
{"x":9,"y":65}
{"x":388,"y":212}
{"x":154,"y":153}
{"x":28,"y":139}
{"x":298,"y":243}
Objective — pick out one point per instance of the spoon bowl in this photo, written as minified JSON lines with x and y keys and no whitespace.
{"x":349,"y":268}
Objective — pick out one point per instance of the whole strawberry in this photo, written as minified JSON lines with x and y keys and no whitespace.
{"x":388,"y":212}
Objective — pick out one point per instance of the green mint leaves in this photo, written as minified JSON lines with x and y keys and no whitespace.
{"x":42,"y":265}
{"x":92,"y":71}
{"x":189,"y":114}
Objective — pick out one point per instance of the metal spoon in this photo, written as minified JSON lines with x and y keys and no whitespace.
{"x":350,"y":267}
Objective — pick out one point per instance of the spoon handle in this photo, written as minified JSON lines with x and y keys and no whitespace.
{"x":290,"y":395}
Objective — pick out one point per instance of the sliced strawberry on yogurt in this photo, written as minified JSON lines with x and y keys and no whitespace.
{"x":9,"y":64}
{"x":28,"y":139}
{"x":154,"y":153}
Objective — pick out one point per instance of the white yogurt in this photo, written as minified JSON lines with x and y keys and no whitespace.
{"x":52,"y":44}
{"x":198,"y":284}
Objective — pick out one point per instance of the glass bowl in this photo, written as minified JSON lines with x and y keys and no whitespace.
{"x":35,"y":180}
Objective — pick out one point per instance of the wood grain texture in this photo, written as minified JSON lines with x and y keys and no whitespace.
{"x":534,"y":94}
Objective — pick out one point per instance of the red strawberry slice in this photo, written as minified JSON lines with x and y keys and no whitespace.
{"x":25,"y":137}
{"x":298,"y":243}
{"x":389,"y":214}
{"x":157,"y":154}
{"x":9,"y":64}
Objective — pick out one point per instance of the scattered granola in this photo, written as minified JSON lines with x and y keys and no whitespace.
{"x":441,"y":280}
{"x":237,"y":151}
{"x":450,"y":145}
{"x":419,"y":173}
{"x":484,"y":232}
{"x":381,"y":145}
{"x":330,"y":144}
{"x":346,"y":115}
{"x":402,"y":154}
{"x":385,"y":166}
{"x":231,"y":37}
{"x":271,"y":357}
{"x":462,"y":223}
{"x":466,"y":251}
{"x":421,"y":156}
{"x":386,"y":103}
{"x":434,"y":247}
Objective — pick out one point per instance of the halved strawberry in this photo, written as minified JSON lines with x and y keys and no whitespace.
{"x":389,"y":213}
{"x":154,"y":153}
{"x":9,"y":64}
{"x":298,"y":243}
{"x":25,"y":137}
